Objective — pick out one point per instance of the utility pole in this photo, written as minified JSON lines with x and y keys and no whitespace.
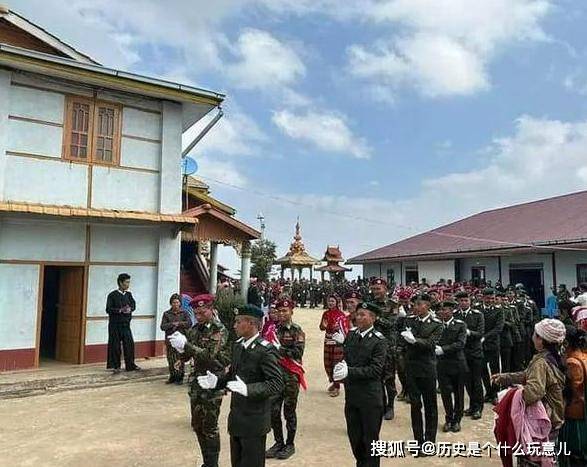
{"x":261,"y":220}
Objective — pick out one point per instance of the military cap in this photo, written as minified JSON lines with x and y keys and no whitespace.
{"x":284,"y":303}
{"x":250,"y":310}
{"x":371,"y":307}
{"x":449,"y":304}
{"x":488,"y":291}
{"x":424,"y":297}
{"x":461,"y":294}
{"x":404,"y":295}
{"x":378,"y":281}
{"x":203,"y":299}
{"x":352,"y":294}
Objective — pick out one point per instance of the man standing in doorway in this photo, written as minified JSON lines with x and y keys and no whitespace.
{"x":119,"y":305}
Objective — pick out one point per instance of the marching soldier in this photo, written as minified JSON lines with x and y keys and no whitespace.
{"x":506,"y":338}
{"x":475,"y":322}
{"x":422,"y":333}
{"x":290,"y":346}
{"x":386,"y":324}
{"x":362,"y":370}
{"x":207,"y":344}
{"x":452,"y":366}
{"x":490,"y":340}
{"x":254,"y":379}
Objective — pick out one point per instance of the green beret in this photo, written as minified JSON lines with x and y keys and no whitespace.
{"x":250,"y":310}
{"x":488,"y":291}
{"x":461,"y":294}
{"x":371,"y":307}
{"x":449,"y":304}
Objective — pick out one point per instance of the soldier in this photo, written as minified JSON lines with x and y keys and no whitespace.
{"x":518,"y":332}
{"x":254,"y":378}
{"x":452,"y":366}
{"x":313,"y":291}
{"x":207,"y":344}
{"x":361,"y":370}
{"x":506,"y":338}
{"x":475,"y":322}
{"x":490,"y":340}
{"x":386,"y":324}
{"x":422,"y":333}
{"x":175,"y":319}
{"x":351,"y":302}
{"x":290,"y":346}
{"x":405,"y":309}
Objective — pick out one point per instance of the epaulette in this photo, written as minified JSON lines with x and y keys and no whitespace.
{"x":436,"y":320}
{"x":411,"y":316}
{"x":459,"y":321}
{"x":475,"y":311}
{"x":240,"y":339}
{"x":378,"y":335}
{"x":264,"y":343}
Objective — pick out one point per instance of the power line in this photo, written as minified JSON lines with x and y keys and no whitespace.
{"x":378,"y":221}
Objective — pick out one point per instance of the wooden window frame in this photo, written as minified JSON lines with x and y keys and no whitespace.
{"x":92,"y":130}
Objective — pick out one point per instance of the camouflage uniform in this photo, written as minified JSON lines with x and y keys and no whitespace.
{"x":386,"y":324}
{"x":208,"y":346}
{"x":292,"y":342}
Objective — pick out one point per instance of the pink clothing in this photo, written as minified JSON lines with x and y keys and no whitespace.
{"x":531,"y":425}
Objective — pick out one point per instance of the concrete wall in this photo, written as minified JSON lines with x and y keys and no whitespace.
{"x":566,"y":266}
{"x":433,"y":271}
{"x":491,"y":266}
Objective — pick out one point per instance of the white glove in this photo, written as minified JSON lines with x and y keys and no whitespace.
{"x":238,"y":386}
{"x":177,"y":341}
{"x":208,"y":381}
{"x":402,"y":313}
{"x":408,"y":337}
{"x":438,"y":350}
{"x":341,"y":371}
{"x":276,"y":344}
{"x":482,"y":340}
{"x":338,"y":337}
{"x":468,"y":332}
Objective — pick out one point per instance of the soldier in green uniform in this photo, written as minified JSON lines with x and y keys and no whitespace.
{"x":475,"y":322}
{"x":361,"y":370}
{"x":491,"y":340}
{"x":207,"y":344}
{"x":254,"y":379}
{"x":422,"y":333}
{"x":290,"y":347}
{"x":452,"y":366}
{"x":518,"y":332}
{"x":386,"y":324}
{"x":506,"y":338}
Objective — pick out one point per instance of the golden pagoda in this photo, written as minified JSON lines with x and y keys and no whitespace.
{"x":297,"y":258}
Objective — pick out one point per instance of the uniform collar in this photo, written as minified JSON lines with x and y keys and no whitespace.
{"x":122,"y":292}
{"x":364,"y":333}
{"x":447,"y":323}
{"x":465,"y":312}
{"x":247,"y":343}
{"x":426,"y":318}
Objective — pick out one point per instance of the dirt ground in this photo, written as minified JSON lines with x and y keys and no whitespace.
{"x":147,"y":424}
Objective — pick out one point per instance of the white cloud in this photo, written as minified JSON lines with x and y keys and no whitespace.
{"x":444,"y":47}
{"x":264,"y":62}
{"x":213,"y":169}
{"x":327,"y":131}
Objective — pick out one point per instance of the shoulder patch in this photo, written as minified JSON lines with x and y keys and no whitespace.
{"x":378,"y":334}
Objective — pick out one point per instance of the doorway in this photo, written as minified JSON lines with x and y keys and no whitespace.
{"x":61,"y":314}
{"x":478,"y":275}
{"x":533,"y":281}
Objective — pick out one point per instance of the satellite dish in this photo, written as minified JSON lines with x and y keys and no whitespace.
{"x":188,"y":166}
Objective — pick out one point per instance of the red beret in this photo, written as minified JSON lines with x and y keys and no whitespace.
{"x":202,"y":300}
{"x":352,"y":294}
{"x":284,"y":303}
{"x":404,"y":295}
{"x":378,"y":281}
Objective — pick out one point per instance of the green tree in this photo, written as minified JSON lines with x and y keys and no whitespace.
{"x":262,"y":258}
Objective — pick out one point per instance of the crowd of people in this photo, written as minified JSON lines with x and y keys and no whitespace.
{"x":382,"y":344}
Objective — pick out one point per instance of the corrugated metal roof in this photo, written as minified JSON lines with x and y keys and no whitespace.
{"x":76,"y":212}
{"x":557,"y":220}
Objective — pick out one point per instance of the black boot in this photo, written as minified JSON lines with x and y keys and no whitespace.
{"x":389,"y":413}
{"x":286,"y":452}
{"x":274,"y":450}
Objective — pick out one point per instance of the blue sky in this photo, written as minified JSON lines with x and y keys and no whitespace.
{"x":372,"y":120}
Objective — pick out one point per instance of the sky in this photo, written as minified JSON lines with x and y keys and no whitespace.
{"x":371,"y":120}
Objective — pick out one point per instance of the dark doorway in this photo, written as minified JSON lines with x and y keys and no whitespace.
{"x":61,"y":316}
{"x":412,"y":276}
{"x":532,"y":279}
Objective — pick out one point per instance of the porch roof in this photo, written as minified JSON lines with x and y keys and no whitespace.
{"x":215,"y":225}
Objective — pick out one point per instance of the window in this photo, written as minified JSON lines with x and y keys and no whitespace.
{"x":390,"y":277}
{"x":92,"y":131}
{"x":581,"y":273}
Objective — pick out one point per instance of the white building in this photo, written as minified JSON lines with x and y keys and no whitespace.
{"x":540,"y":244}
{"x":90,"y":187}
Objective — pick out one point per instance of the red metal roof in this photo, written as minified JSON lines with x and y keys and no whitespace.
{"x":557,"y":220}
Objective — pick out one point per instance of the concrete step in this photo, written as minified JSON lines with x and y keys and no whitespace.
{"x":47,"y":385}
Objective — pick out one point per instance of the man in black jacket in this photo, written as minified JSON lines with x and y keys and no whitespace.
{"x":452,"y":366}
{"x":422,"y":333}
{"x":493,"y":327}
{"x":255,"y":379}
{"x":361,"y":370}
{"x":475,"y":322}
{"x":119,"y":305}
